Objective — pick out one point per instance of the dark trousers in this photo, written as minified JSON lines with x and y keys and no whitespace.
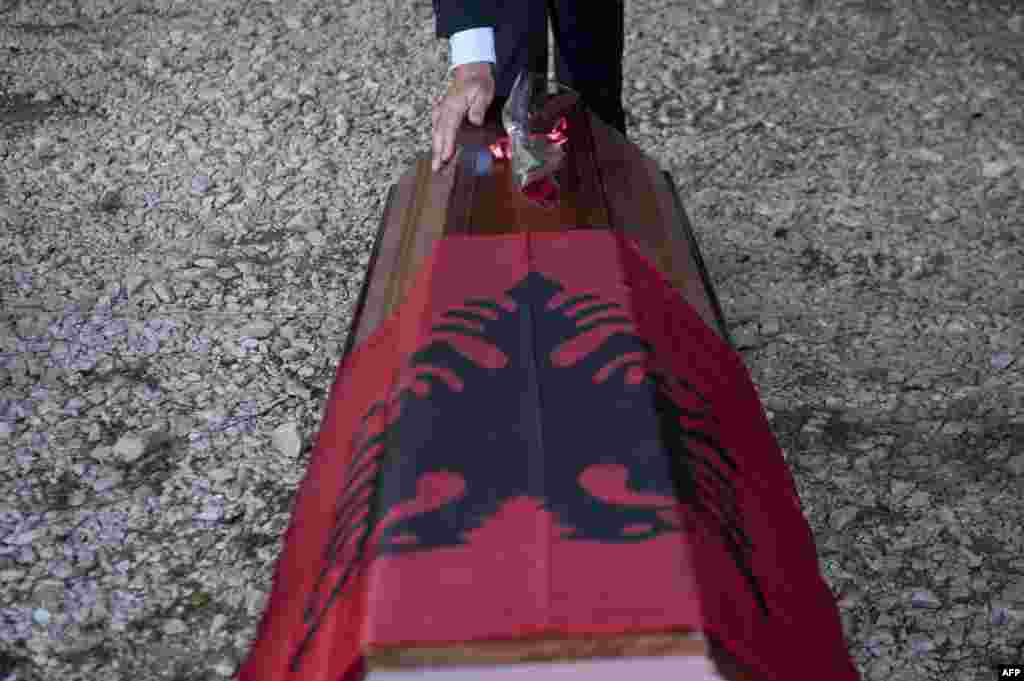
{"x":589,"y":35}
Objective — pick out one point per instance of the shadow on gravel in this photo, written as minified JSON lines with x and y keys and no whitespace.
{"x":22,"y":109}
{"x":20,"y":112}
{"x":9,"y":664}
{"x":834,"y":431}
{"x":47,"y":29}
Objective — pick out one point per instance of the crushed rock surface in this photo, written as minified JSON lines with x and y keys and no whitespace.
{"x":188,"y":196}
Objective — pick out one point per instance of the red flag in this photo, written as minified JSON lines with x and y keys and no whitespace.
{"x":544,"y":439}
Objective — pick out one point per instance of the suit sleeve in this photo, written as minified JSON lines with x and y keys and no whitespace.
{"x":452,"y":16}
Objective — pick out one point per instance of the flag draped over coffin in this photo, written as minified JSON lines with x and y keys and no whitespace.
{"x":544,"y":439}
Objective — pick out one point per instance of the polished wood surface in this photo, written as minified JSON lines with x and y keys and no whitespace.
{"x":413,"y":219}
{"x":485,"y":199}
{"x":495,"y":654}
{"x":541,"y":650}
{"x":606,"y":182}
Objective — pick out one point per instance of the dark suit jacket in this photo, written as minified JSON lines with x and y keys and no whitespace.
{"x":452,"y":16}
{"x":590,"y":44}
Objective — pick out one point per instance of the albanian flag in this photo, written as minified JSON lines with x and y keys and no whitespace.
{"x":541,"y":433}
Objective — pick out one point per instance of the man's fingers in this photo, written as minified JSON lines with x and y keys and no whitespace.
{"x":482,"y":98}
{"x":438,"y":148}
{"x":450,"y":115}
{"x":470,"y":98}
{"x":435,"y":145}
{"x":449,"y":125}
{"x":438,"y":136}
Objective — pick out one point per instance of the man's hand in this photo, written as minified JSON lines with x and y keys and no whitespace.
{"x":471,"y":91}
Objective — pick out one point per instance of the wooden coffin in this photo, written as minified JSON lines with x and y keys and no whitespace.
{"x":606,"y":183}
{"x":540,"y":452}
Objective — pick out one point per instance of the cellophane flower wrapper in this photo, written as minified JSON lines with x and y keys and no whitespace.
{"x":534,"y":157}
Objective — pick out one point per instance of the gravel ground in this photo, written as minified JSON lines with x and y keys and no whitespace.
{"x":188,"y":193}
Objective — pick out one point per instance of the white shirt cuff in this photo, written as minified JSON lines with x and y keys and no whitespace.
{"x":472,"y":45}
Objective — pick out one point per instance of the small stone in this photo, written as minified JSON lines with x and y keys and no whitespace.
{"x":130,"y":447}
{"x":918,"y":500}
{"x":248,"y":122}
{"x":781,"y":210}
{"x":221,"y":474}
{"x":228,"y":273}
{"x":95,"y":432}
{"x":43,"y":143}
{"x":1016,"y":465}
{"x":132,"y":283}
{"x":341,"y":126}
{"x":163,"y":292}
{"x":208,"y":94}
{"x":1014,"y":592}
{"x":219,"y":620}
{"x":287,"y":440}
{"x":175,"y":626}
{"x":225,"y":667}
{"x":843,"y":517}
{"x":49,"y":594}
{"x":206,"y":263}
{"x":900,"y":487}
{"x":928,"y":155}
{"x":283,"y":90}
{"x":405,"y":111}
{"x":255,"y":599}
{"x":316,"y":237}
{"x":770,"y":327}
{"x":745,"y":336}
{"x":1015,"y":23}
{"x":7,"y":214}
{"x":110,"y":202}
{"x":144,"y":493}
{"x":925,"y":599}
{"x":41,"y":616}
{"x":944,"y":213}
{"x":304,"y":221}
{"x":108,"y":482}
{"x":258,"y":328}
{"x":997,"y":168}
